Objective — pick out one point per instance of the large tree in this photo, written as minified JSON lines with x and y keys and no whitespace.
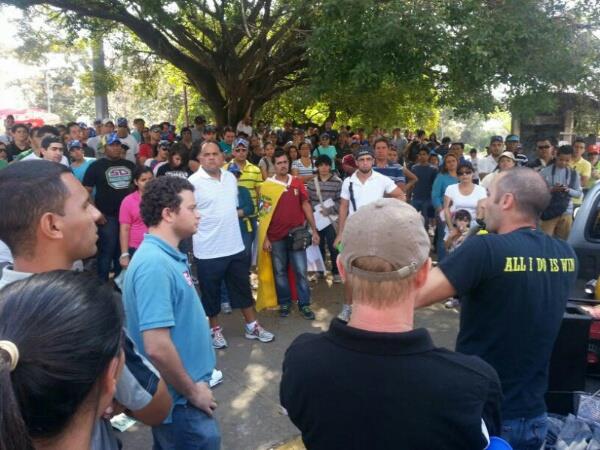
{"x":237,"y":54}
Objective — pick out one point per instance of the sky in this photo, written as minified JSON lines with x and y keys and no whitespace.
{"x":11,"y":68}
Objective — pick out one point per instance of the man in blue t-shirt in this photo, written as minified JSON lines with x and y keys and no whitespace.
{"x":513,"y":286}
{"x":165,"y":317}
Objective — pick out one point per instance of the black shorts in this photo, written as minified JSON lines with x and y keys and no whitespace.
{"x":234,"y":270}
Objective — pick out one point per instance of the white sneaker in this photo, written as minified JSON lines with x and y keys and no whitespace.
{"x":259,"y":333}
{"x":226,"y":308}
{"x":337,"y":279}
{"x":346,"y":313}
{"x":218,"y":339}
{"x":215,"y":378}
{"x":452,"y":303}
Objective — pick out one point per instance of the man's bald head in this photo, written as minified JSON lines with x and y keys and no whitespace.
{"x":527,"y":187}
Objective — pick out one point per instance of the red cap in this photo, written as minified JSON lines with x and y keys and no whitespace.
{"x":593,"y":149}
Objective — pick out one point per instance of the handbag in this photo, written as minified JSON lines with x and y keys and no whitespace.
{"x":559,"y":201}
{"x":299,"y":238}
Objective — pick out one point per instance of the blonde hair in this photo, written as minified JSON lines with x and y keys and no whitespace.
{"x":378,"y":294}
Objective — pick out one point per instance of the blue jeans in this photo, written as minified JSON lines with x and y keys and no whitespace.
{"x":108,"y":247}
{"x":191,"y":429}
{"x":327,"y":236}
{"x":525,"y":434}
{"x":281,"y":256}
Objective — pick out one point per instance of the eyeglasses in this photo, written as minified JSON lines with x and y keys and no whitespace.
{"x":465,"y":173}
{"x":543,"y":147}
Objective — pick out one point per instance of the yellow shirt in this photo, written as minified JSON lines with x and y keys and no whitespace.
{"x":251,"y":178}
{"x":583,"y":168}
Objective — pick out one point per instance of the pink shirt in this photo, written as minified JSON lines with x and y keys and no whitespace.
{"x":130,"y":214}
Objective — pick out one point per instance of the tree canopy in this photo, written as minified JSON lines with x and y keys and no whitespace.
{"x":358,"y":57}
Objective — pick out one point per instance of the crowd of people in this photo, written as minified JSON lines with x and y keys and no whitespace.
{"x":189,"y":214}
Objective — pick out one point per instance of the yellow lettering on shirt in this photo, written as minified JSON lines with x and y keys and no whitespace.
{"x":530,"y":264}
{"x":540,"y":264}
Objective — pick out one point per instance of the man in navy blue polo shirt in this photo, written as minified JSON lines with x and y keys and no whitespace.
{"x":403,"y":177}
{"x":166,"y":319}
{"x":513,"y":286}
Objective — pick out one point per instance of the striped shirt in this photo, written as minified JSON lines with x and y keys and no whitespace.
{"x":331,"y":188}
{"x":251,"y":178}
{"x":302,"y":169}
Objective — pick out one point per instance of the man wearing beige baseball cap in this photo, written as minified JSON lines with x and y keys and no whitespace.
{"x":395,"y":389}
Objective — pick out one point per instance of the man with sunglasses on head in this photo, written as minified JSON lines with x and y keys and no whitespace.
{"x":250,"y":177}
{"x":545,"y":150}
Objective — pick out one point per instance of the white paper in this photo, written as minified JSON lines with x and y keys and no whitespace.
{"x":314,"y":259}
{"x":322,"y":221}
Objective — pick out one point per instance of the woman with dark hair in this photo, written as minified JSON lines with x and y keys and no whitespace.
{"x":131,"y":225}
{"x":292,"y":151}
{"x":465,"y":195}
{"x":161,"y":157}
{"x":60,"y":358}
{"x":177,"y":165}
{"x":304,"y":167}
{"x":265,"y":164}
{"x":445,"y":178}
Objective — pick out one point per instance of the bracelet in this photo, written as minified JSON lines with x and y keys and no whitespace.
{"x":123,"y":255}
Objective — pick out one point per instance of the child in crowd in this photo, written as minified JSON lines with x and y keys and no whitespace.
{"x":461,"y":222}
{"x":460,"y":231}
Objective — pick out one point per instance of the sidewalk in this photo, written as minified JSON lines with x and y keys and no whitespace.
{"x":249,"y":413}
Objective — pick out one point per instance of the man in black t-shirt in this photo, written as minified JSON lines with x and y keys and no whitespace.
{"x":376,"y":383}
{"x":513,"y":286}
{"x":111,"y":176}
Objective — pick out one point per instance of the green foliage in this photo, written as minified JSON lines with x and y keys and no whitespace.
{"x":462,"y":50}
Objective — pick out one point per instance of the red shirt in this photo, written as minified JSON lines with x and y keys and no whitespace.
{"x":145,"y":151}
{"x":288,"y":213}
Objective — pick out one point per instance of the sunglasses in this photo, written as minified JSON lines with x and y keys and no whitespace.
{"x":465,"y":173}
{"x":543,"y":147}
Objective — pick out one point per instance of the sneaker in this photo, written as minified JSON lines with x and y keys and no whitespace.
{"x":345,"y":314}
{"x":259,"y":333}
{"x":313,"y":277}
{"x":337,"y":279}
{"x":452,"y":303}
{"x":284,"y":310}
{"x":218,"y":338}
{"x":215,"y":378}
{"x":307,"y":313}
{"x":226,"y":307}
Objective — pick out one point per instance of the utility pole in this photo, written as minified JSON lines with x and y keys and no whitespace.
{"x":48,"y":92}
{"x":99,"y":77}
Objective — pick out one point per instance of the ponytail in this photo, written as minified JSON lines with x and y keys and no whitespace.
{"x":59,"y":331}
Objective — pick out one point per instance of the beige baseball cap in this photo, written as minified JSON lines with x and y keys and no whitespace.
{"x":507,"y":154}
{"x":391,"y":230}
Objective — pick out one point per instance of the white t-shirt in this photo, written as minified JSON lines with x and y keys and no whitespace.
{"x":374,"y":188}
{"x":242,"y":127}
{"x":487,"y":164}
{"x":467,"y":202}
{"x":133,"y":149}
{"x":219,"y":231}
{"x":34,"y":157}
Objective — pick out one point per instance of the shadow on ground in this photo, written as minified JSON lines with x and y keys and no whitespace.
{"x":249,"y":413}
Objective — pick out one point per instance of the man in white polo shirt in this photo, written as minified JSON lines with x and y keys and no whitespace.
{"x":363,"y":187}
{"x":218,"y":246}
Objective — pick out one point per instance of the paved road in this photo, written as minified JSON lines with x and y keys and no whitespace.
{"x":249,"y":413}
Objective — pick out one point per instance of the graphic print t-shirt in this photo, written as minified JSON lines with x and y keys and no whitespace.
{"x":111,"y":180}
